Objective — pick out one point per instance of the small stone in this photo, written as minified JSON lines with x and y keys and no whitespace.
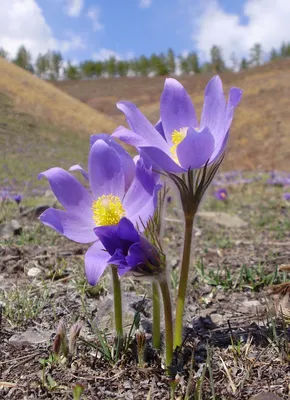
{"x":266,"y":396}
{"x":30,"y":337}
{"x":33,"y":272}
{"x":217,"y":318}
{"x":223,"y":219}
{"x":10,"y":229}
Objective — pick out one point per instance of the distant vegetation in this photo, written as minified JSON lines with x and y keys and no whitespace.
{"x":51,"y":65}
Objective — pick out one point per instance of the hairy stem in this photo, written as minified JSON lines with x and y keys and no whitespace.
{"x":117,"y":302}
{"x":168,"y":321}
{"x":156,"y":316}
{"x":183,"y":279}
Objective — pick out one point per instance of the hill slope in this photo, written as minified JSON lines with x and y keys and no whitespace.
{"x":260,"y":135}
{"x":40,"y":127}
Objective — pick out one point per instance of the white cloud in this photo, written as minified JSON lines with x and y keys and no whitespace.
{"x":94,"y":15}
{"x":145,"y":3}
{"x":22,"y":23}
{"x":267,"y":22}
{"x":74,"y":7}
{"x":104,"y":54}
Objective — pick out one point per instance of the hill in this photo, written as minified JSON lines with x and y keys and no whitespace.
{"x":261,"y":130}
{"x":40,"y":127}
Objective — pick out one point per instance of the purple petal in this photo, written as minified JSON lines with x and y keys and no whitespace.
{"x":220,"y":149}
{"x":214,"y":108}
{"x":125,"y":158}
{"x":129,"y":137}
{"x":136,"y":255}
{"x":195,"y":149}
{"x":108,"y":235}
{"x":161,"y":159}
{"x":159,"y":128}
{"x":69,"y":191}
{"x":140,"y":125}
{"x":140,"y":204}
{"x":127,"y":233}
{"x":77,"y":167}
{"x":105,"y":171}
{"x":176,"y":109}
{"x":70,"y":225}
{"x":96,"y":261}
{"x":235,"y":96}
{"x":118,"y":258}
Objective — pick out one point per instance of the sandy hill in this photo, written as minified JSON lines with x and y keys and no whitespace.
{"x":261,"y":130}
{"x":41,"y":126}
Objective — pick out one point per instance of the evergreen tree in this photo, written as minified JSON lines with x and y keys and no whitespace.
{"x":256,"y":55}
{"x":184,"y":65}
{"x":55,"y":64}
{"x":72,"y":72}
{"x":3,"y":53}
{"x":42,"y":65}
{"x":122,"y":68}
{"x":217,"y":61}
{"x":158,"y":65}
{"x":23,"y":59}
{"x":274,"y":54}
{"x":244,"y":64}
{"x":88,"y":69}
{"x":193,"y":63}
{"x":99,"y":68}
{"x":143,"y":66}
{"x":171,"y":62}
{"x":111,"y":66}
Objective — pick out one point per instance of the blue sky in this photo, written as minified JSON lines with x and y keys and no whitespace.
{"x":86,"y":29}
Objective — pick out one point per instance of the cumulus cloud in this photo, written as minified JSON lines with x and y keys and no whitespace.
{"x":267,"y":23}
{"x":22,"y":23}
{"x":94,"y":15}
{"x":104,"y":54}
{"x":74,"y":7}
{"x":145,"y":3}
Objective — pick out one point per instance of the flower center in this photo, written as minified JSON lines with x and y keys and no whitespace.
{"x":177,"y":137}
{"x":107,"y":210}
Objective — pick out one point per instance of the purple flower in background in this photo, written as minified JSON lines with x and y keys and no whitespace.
{"x":129,"y":251}
{"x":118,"y":189}
{"x":221,"y":194}
{"x":178,"y":142}
{"x":18,"y":198}
{"x":286,"y":196}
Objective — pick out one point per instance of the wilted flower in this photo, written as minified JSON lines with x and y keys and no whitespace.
{"x":221,"y":194}
{"x":178,"y":142}
{"x":129,"y":251}
{"x":118,"y":189}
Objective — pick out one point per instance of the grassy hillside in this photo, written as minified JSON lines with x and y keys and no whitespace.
{"x":261,"y":131}
{"x":40,"y":127}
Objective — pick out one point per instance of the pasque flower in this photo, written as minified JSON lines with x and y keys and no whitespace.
{"x":129,"y":251}
{"x":118,"y":189}
{"x":221,"y":194}
{"x":178,"y":142}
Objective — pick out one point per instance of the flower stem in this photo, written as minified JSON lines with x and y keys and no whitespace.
{"x":168,"y":321}
{"x":156,"y":316}
{"x":117,"y":302}
{"x":183,"y":279}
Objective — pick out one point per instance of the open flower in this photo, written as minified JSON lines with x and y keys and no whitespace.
{"x":114,"y":193}
{"x":178,"y":142}
{"x":221,"y":194}
{"x":129,"y":251}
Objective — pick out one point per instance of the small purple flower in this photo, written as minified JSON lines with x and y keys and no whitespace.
{"x":130,"y":252}
{"x":18,"y":198}
{"x":221,"y":194}
{"x":119,"y":188}
{"x":286,"y":196}
{"x":178,"y":142}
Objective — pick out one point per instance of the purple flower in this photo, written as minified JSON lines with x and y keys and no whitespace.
{"x":221,"y":194}
{"x":178,"y":142}
{"x":286,"y":196}
{"x":118,"y":189}
{"x":18,"y":198}
{"x":130,"y":252}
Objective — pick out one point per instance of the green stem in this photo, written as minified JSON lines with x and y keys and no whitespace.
{"x":183,"y":279}
{"x":117,"y":302}
{"x":156,"y":316}
{"x":168,"y":321}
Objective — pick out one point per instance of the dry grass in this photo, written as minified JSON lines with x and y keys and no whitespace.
{"x":45,"y":102}
{"x":259,"y":137}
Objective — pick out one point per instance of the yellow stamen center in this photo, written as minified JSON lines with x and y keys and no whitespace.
{"x":177,"y":137}
{"x":107,"y":210}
